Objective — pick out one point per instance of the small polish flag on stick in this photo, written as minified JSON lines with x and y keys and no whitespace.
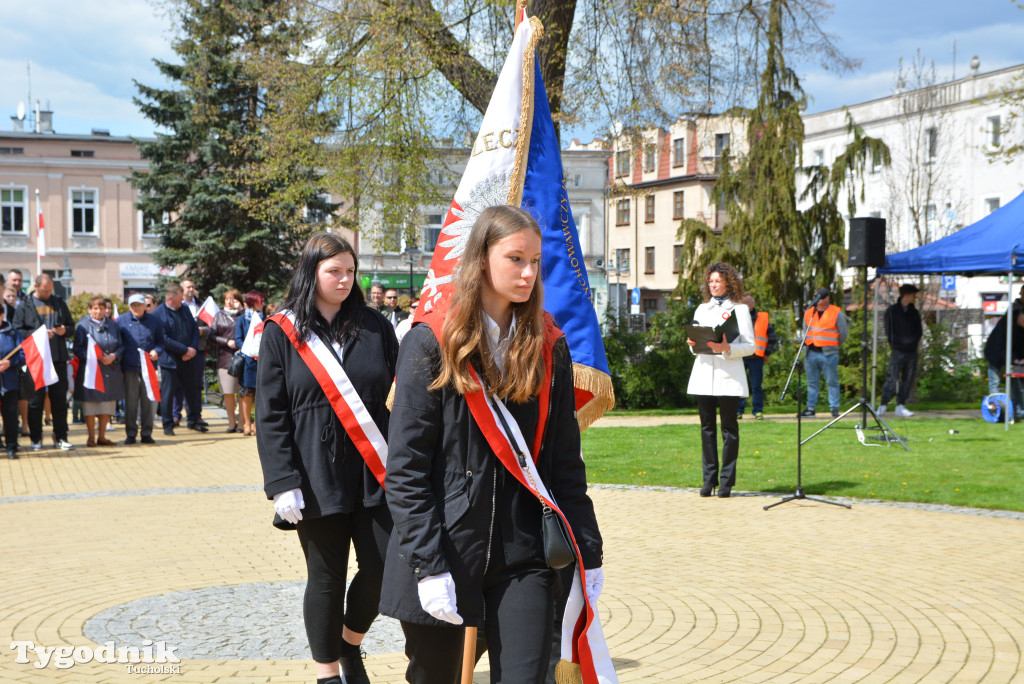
{"x":38,"y":358}
{"x":207,"y":311}
{"x":114,"y":314}
{"x":41,"y":233}
{"x":93,"y":375}
{"x":251,"y":343}
{"x":149,"y":377}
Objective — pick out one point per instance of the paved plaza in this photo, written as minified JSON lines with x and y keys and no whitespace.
{"x":173,"y":543}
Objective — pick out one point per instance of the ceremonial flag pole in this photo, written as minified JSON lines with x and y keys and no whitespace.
{"x":40,"y":235}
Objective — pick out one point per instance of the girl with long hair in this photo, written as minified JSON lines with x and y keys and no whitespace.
{"x":467,"y":548}
{"x":719,"y":379}
{"x":323,"y":472}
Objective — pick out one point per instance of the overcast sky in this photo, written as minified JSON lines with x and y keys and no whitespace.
{"x":85,"y":53}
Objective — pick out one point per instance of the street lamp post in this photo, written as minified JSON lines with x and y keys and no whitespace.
{"x":65,"y":277}
{"x":412,"y":256}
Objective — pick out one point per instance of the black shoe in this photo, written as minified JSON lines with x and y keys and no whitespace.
{"x":12,"y":454}
{"x":835,"y":413}
{"x":706,"y":490}
{"x":148,"y":440}
{"x":352,"y":664}
{"x":724,"y":492}
{"x":199,"y":427}
{"x":129,"y":440}
{"x":203,"y":423}
{"x":808,"y":413}
{"x":167,"y":431}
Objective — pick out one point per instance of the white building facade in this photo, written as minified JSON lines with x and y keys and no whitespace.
{"x":941,"y":177}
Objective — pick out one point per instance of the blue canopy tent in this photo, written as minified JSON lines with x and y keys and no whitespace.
{"x":992,"y":246}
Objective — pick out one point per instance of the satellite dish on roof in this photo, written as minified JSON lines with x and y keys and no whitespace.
{"x":21,"y":111}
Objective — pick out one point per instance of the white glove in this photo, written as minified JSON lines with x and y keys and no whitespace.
{"x":288,"y":505}
{"x":595,"y":582}
{"x":437,"y":596}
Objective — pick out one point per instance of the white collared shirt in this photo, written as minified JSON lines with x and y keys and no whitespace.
{"x":495,"y":342}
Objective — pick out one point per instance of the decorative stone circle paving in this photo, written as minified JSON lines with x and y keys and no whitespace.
{"x":258,"y":621}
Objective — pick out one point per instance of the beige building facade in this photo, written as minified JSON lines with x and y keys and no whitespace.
{"x":654,"y":183}
{"x":88,"y":205}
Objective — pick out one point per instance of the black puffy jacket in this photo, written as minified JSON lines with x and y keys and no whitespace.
{"x":449,"y":495}
{"x":302,"y":444}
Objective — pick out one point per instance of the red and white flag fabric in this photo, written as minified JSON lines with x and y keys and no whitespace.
{"x":93,"y":374}
{"x":114,"y":313}
{"x":40,"y":233}
{"x":39,"y":359}
{"x":149,"y":377}
{"x":207,"y":311}
{"x":251,"y":343}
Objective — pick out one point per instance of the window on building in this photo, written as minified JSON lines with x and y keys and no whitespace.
{"x":819,"y":157}
{"x":991,"y":204}
{"x":83,"y":212}
{"x":677,"y":258}
{"x":650,"y":305}
{"x":317,"y":216}
{"x":649,"y":260}
{"x":679,"y":152}
{"x":12,"y":150}
{"x":83,"y":153}
{"x":932,"y":139}
{"x":876,"y":162}
{"x":151,"y":224}
{"x":995,"y":130}
{"x":622,"y":212}
{"x":13,"y":210}
{"x":622,"y":163}
{"x":650,"y":153}
{"x":677,"y":204}
{"x":432,"y":231}
{"x":721,"y":142}
{"x":930,"y":213}
{"x":622,"y":260}
{"x":649,"y":209}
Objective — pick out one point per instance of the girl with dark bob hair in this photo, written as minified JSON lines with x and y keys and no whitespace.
{"x":325,"y":369}
{"x":467,"y":544}
{"x":719,"y":379}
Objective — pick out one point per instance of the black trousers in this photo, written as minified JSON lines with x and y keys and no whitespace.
{"x":171,"y":379}
{"x":902,"y":367}
{"x":9,"y":412}
{"x":58,"y":393}
{"x":325,"y":543}
{"x":136,"y":402}
{"x":727,"y":407}
{"x":518,"y":627}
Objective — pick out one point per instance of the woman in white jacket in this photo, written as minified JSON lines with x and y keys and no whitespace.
{"x":718,"y":380}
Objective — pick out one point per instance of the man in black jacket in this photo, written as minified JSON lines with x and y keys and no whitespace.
{"x":995,"y":354}
{"x":903,"y":330}
{"x":181,"y":339}
{"x":46,"y":308}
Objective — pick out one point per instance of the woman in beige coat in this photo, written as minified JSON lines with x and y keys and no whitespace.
{"x":718,"y":380}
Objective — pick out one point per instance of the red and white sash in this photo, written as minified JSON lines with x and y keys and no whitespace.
{"x":583,"y":640}
{"x":149,"y":376}
{"x":341,"y":394}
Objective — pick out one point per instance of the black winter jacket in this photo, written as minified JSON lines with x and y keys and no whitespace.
{"x":995,"y":345}
{"x":903,"y":327}
{"x":301,"y":442}
{"x":449,"y":495}
{"x":52,"y":313}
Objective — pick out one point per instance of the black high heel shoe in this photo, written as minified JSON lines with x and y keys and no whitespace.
{"x":724,"y":492}
{"x":706,"y":490}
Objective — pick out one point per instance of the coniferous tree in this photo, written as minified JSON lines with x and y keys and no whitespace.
{"x":784,"y":252}
{"x":226,"y":225}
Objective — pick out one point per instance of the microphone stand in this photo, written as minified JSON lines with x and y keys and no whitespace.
{"x":798,"y":366}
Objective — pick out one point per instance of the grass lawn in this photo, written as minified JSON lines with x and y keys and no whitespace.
{"x":981,"y":465}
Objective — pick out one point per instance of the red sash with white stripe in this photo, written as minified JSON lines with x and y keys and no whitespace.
{"x":582,"y":638}
{"x":149,"y":376}
{"x":341,"y":394}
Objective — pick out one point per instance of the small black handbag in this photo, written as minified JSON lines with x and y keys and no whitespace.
{"x":558,"y":548}
{"x":236,"y":366}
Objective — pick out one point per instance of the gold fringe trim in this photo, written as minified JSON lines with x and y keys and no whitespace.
{"x":568,"y":673}
{"x":515,"y":187}
{"x":597,"y":383}
{"x":390,"y":401}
